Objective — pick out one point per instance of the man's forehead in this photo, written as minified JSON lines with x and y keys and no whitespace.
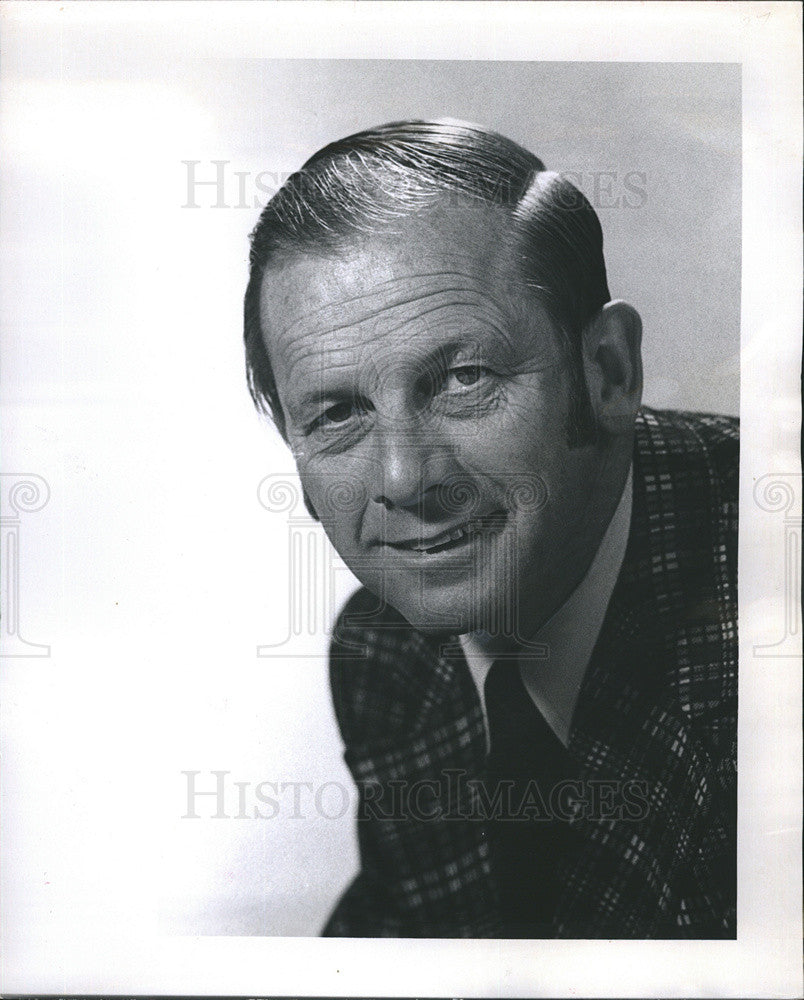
{"x":425,"y":264}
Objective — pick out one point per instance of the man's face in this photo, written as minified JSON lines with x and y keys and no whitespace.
{"x":426,"y":398}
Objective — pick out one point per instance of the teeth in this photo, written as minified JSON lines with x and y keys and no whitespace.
{"x":449,"y":536}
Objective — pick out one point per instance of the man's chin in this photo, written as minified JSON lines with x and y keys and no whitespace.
{"x":437,"y":619}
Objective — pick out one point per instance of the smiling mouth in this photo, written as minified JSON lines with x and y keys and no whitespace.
{"x":455,"y":537}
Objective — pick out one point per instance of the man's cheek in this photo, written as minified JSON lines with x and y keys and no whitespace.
{"x":337,"y":489}
{"x":308,"y":503}
{"x":340,"y":523}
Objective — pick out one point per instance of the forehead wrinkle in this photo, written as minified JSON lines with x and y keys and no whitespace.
{"x":483,"y":314}
{"x":463,"y":293}
{"x":381,"y":288}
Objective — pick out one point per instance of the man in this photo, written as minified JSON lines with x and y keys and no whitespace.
{"x":536,"y":686}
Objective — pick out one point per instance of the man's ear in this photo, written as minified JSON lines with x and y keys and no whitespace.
{"x":612,"y":359}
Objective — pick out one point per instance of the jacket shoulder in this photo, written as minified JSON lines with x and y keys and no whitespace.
{"x":376,"y":662}
{"x":705,"y":443}
{"x":685,"y":546}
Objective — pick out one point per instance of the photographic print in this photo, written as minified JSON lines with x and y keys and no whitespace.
{"x":401,"y":500}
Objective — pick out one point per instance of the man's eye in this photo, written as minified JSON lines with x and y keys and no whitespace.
{"x":335,"y":415}
{"x":465,"y":376}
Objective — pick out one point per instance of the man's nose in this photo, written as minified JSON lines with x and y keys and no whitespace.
{"x":409,"y":464}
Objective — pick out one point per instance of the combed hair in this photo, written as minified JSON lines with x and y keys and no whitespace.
{"x":357,"y":185}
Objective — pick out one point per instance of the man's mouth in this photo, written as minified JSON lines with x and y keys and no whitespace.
{"x":454,"y":537}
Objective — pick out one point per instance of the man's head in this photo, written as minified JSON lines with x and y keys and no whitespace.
{"x":428,"y":321}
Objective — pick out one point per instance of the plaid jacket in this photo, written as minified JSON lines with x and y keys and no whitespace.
{"x":658,"y":706}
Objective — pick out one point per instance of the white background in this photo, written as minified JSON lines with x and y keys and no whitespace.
{"x":153,"y":573}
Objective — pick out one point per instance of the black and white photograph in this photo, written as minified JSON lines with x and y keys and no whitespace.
{"x":401,"y":499}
